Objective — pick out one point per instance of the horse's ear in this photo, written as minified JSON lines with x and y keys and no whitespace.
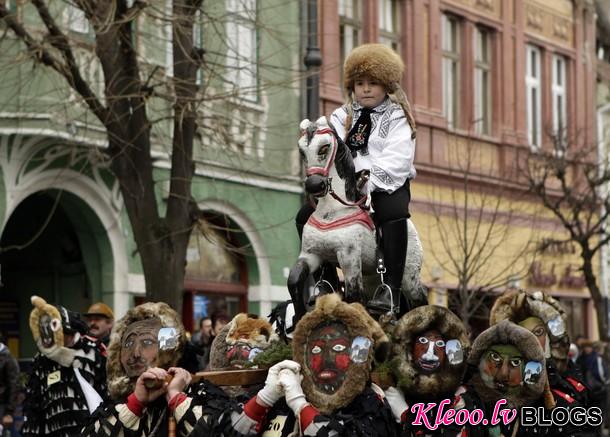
{"x":304,"y":125}
{"x":322,"y":122}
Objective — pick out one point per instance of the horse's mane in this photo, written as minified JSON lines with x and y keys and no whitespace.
{"x":345,"y":167}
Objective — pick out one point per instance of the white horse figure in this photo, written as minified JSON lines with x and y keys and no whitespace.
{"x":340,"y":230}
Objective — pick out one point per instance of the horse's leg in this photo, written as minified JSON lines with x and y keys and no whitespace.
{"x":296,"y":283}
{"x":350,"y":261}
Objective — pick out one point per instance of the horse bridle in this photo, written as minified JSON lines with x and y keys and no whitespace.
{"x":324,"y":171}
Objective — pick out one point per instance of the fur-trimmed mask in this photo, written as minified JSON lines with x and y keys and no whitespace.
{"x":510,"y":365}
{"x":430,"y":349}
{"x":542,"y":315}
{"x":240,"y":341}
{"x":138,"y":331}
{"x":334,"y":344}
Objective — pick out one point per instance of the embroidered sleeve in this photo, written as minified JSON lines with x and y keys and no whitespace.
{"x":391,"y":169}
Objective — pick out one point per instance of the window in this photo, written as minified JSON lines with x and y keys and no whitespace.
{"x":559,"y":95}
{"x":482,"y":81}
{"x":76,"y":20}
{"x":389,"y":30}
{"x":242,"y":50}
{"x":533,"y":89}
{"x":451,"y":68}
{"x":349,"y":26}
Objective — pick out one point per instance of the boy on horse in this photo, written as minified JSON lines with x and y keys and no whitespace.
{"x":377,"y":125}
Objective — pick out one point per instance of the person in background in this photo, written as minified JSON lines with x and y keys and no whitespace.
{"x":595,"y":375}
{"x":68,"y":378}
{"x":202,"y":342}
{"x":9,"y":384}
{"x":219,"y":321}
{"x":100,"y":319}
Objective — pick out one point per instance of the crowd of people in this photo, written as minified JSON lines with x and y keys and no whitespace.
{"x":336,"y":371}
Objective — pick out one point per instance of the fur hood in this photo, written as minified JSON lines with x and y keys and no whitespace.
{"x":414,"y":384}
{"x":519,"y":305}
{"x":376,"y":61}
{"x":119,"y":385}
{"x":509,"y":333}
{"x":358,"y":322}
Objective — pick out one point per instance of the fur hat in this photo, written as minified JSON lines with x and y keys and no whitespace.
{"x":414,"y":384}
{"x":119,"y":384}
{"x":376,"y":61}
{"x":517,"y":306}
{"x":244,"y":328}
{"x":508,"y":333}
{"x":358,"y":322}
{"x":383,"y":64}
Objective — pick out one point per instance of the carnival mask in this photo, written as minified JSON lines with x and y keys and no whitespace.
{"x":537,"y":327}
{"x":240,"y":353}
{"x":328,"y":355}
{"x":140,"y":346}
{"x":47,"y":326}
{"x":429,"y":351}
{"x":501,"y":368}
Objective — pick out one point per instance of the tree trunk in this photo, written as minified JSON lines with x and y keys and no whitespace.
{"x":600,"y":307}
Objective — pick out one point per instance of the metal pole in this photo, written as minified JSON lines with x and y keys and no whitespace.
{"x":312,"y":61}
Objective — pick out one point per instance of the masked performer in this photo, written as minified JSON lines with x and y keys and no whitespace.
{"x":506,"y":364}
{"x":68,"y":378}
{"x":136,"y":358}
{"x":543,"y":316}
{"x":327,"y":389}
{"x":430,"y":346}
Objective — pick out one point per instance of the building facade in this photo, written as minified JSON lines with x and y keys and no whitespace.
{"x":488,"y":81}
{"x":65,"y":234}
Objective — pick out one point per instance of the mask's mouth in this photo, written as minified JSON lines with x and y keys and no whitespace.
{"x":428,"y":365}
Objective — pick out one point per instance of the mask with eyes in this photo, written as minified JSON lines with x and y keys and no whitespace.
{"x":542,"y":315}
{"x":501,"y":368}
{"x":335,"y":344}
{"x":134,"y":346}
{"x":329,"y":353}
{"x":140,"y":346}
{"x":510,"y":365}
{"x":45,"y":324}
{"x":538,"y":328}
{"x":430,"y":352}
{"x":240,"y":341}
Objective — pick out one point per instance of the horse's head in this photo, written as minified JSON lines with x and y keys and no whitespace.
{"x":322,"y":150}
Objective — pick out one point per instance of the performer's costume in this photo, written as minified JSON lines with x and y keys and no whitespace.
{"x":203,"y":410}
{"x":506,"y":363}
{"x":334,"y":346}
{"x":66,"y":383}
{"x":546,"y":319}
{"x":430,"y":347}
